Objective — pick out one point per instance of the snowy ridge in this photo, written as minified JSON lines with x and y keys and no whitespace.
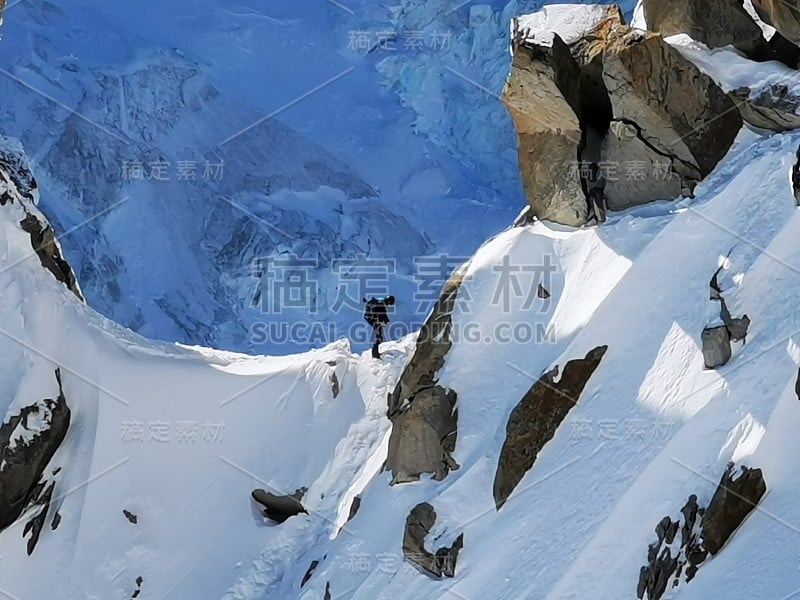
{"x":167,"y":442}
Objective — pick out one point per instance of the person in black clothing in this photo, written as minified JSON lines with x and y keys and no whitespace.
{"x":377,"y":316}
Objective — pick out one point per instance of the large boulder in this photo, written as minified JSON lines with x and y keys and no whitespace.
{"x":536,"y":418}
{"x":680,"y":111}
{"x":646,"y":170}
{"x":609,"y":95}
{"x":738,"y":494}
{"x":716,"y":346}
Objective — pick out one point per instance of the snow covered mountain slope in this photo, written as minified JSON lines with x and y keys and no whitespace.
{"x":171,"y":435}
{"x":650,"y":428}
{"x":575,"y":358}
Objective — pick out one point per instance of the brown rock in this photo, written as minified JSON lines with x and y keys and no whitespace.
{"x":536,"y":418}
{"x":680,"y":111}
{"x":641,"y":174}
{"x":736,"y":497}
{"x":542,"y":97}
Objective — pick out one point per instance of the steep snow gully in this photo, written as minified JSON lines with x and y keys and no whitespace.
{"x":598,"y":411}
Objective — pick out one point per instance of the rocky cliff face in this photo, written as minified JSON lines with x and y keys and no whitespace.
{"x":609,"y":97}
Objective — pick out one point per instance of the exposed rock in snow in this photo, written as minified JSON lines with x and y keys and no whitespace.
{"x":774,"y":107}
{"x":132,"y":518}
{"x":624,"y":146}
{"x":716,"y":346}
{"x":423,"y":413}
{"x":670,"y":558}
{"x":795,"y":178}
{"x":424,"y":436}
{"x":354,"y":506}
{"x":18,"y":186}
{"x":28,"y":441}
{"x":703,"y":531}
{"x":279,"y":508}
{"x":138,"y":590}
{"x":738,"y":493}
{"x":536,"y":418}
{"x":419,"y":523}
{"x":309,"y":572}
{"x":46,"y":247}
{"x":34,"y":526}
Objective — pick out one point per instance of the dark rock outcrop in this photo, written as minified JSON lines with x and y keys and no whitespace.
{"x":35,"y":525}
{"x":737,"y":496}
{"x":716,"y":346}
{"x":797,"y":385}
{"x":132,"y":518}
{"x":327,"y":595}
{"x":279,"y":508}
{"x":773,"y":108}
{"x":423,"y":413}
{"x":613,"y":96}
{"x":716,"y":340}
{"x":441,"y":563}
{"x":354,"y":506}
{"x":44,"y":244}
{"x":703,"y":532}
{"x":666,"y":562}
{"x":536,"y":418}
{"x":25,"y":453}
{"x":796,"y":178}
{"x":738,"y":327}
{"x":19,"y":187}
{"x":138,"y":589}
{"x":335,"y":387}
{"x":309,"y":572}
